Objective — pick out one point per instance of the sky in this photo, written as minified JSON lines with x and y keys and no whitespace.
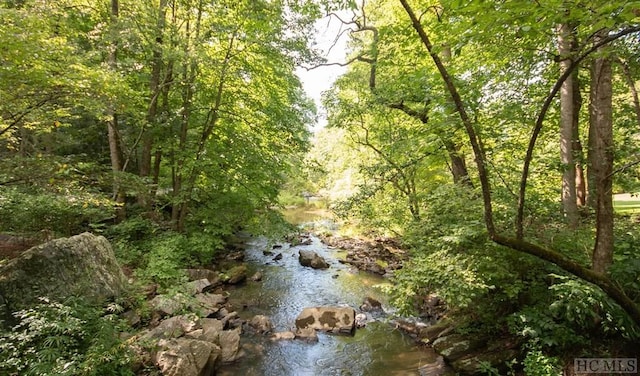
{"x":318,"y":80}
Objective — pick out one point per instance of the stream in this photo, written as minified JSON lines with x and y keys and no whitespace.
{"x":286,"y":288}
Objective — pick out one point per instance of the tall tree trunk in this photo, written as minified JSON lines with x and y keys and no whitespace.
{"x":459,"y":170}
{"x":581,"y":183}
{"x":458,"y":165}
{"x":601,"y":159}
{"x":567,"y":116}
{"x":591,"y":147}
{"x":155,"y":88}
{"x":184,"y":180}
{"x":578,"y":153}
{"x":112,"y":124}
{"x":178,"y":176}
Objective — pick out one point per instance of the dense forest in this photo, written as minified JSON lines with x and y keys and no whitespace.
{"x":489,"y":138}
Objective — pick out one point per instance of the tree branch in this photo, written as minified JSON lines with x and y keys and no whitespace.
{"x":582,"y":272}
{"x":16,"y":119}
{"x":420,"y":115}
{"x":466,"y":121}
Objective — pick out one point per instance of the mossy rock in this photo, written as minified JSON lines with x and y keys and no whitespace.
{"x":456,"y":346}
{"x":82,"y":266}
{"x":235,"y":275}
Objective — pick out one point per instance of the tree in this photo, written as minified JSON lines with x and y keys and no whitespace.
{"x":202,"y":107}
{"x":601,"y":155}
{"x":568,"y":114}
{"x":517,"y":242}
{"x":406,"y":90}
{"x":112,"y":121}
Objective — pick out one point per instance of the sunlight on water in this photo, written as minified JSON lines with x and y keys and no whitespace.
{"x":287,"y":288}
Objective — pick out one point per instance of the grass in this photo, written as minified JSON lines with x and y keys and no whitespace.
{"x":626,"y":203}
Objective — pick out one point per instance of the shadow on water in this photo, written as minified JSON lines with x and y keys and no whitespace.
{"x":287,"y":288}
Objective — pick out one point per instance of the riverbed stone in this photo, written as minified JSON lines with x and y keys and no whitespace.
{"x":328,"y":319}
{"x":186,"y":357}
{"x":166,"y":305}
{"x":432,"y":332}
{"x":261,"y":324}
{"x":371,"y":304}
{"x":211,"y":275}
{"x":229,"y":341}
{"x":284,"y":336}
{"x":236,"y":275}
{"x":208,"y":304}
{"x":83,"y":265}
{"x":198,"y":286}
{"x":307,"y":334}
{"x":361,"y":320}
{"x":312,"y":259}
{"x":455,"y":346}
{"x":172,"y":327}
{"x":209,"y":331}
{"x":131,"y":317}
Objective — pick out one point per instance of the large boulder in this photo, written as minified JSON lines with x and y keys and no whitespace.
{"x":166,"y":305}
{"x":312,"y":259}
{"x":229,"y":341}
{"x":83,"y":265}
{"x":328,"y":319}
{"x":186,"y":357}
{"x":211,"y":275}
{"x":172,"y":327}
{"x":188,"y":345}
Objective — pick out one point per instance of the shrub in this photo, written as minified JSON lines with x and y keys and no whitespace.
{"x":130,"y":239}
{"x":164,"y":259}
{"x":536,"y":363}
{"x":65,"y":214}
{"x":64,"y":339}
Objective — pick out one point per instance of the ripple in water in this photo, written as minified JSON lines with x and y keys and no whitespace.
{"x":287,"y":288}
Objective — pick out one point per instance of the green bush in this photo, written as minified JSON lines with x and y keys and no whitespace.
{"x":131,"y":238}
{"x":65,"y":339}
{"x":590,"y":310}
{"x":65,"y":214}
{"x":164,"y":259}
{"x":536,"y":363}
{"x":453,"y":257}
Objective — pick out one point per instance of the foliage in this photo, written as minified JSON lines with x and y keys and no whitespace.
{"x":553,"y":313}
{"x":226,"y":125}
{"x":164,"y":260}
{"x":65,"y":339}
{"x":498,"y":61}
{"x":453,"y":258}
{"x":536,"y":363}
{"x":271,"y":224}
{"x":63,"y":214}
{"x":590,"y":310}
{"x":455,"y":279}
{"x":161,"y":257}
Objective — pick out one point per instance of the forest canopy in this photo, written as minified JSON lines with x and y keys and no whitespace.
{"x":489,"y":137}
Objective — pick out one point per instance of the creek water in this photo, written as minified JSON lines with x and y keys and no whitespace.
{"x":287,"y":288}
